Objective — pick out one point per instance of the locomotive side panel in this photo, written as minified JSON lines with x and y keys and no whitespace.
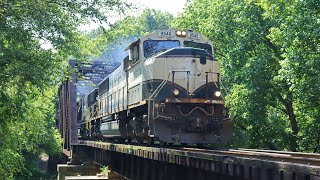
{"x":134,"y":85}
{"x":113,"y":98}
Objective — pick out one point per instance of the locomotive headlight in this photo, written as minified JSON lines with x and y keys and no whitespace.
{"x":176,"y":92}
{"x":217,"y":93}
{"x":178,"y":33}
{"x":183,"y":33}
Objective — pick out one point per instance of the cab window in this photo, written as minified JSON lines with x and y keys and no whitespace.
{"x":152,"y":47}
{"x":204,"y":46}
{"x":134,"y":52}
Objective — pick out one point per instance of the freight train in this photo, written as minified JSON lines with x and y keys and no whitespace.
{"x":167,"y":89}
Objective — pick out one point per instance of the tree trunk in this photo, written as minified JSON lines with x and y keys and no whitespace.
{"x":294,"y":126}
{"x":293,"y":121}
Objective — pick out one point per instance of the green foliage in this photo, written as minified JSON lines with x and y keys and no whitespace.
{"x":29,"y":73}
{"x":269,"y":53}
{"x":104,"y":170}
{"x":114,"y":41}
{"x":27,"y":128}
{"x":297,"y":35}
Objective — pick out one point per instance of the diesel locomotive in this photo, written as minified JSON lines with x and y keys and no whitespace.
{"x":167,"y":89}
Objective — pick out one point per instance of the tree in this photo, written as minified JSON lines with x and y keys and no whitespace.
{"x":112,"y":42}
{"x":257,"y":45}
{"x":297,"y":36}
{"x":29,"y":73}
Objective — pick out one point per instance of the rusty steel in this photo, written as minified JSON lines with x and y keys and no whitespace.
{"x":67,"y":92}
{"x":67,"y":119}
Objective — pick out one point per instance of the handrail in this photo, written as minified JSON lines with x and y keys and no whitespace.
{"x":153,"y":94}
{"x":218,"y":77}
{"x":159,"y":88}
{"x":162,"y":84}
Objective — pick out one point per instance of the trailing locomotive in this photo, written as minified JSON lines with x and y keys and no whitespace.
{"x":167,"y":89}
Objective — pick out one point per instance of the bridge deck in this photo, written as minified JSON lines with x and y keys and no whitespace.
{"x":235,"y":163}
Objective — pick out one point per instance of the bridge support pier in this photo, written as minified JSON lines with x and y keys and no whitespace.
{"x":75,"y":170}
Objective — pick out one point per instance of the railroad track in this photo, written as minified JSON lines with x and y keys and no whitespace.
{"x":311,"y":159}
{"x":243,"y":163}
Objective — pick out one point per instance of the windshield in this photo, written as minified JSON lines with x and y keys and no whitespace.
{"x":154,"y":46}
{"x":206,"y":47}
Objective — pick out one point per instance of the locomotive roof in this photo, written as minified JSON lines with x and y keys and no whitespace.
{"x":170,"y":36}
{"x":133,"y":43}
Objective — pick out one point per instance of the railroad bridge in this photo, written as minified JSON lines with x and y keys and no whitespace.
{"x":157,"y":163}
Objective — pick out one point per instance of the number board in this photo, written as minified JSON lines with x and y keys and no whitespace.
{"x":193,"y":35}
{"x":166,"y":33}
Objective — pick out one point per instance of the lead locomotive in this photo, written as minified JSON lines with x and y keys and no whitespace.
{"x":167,"y":89}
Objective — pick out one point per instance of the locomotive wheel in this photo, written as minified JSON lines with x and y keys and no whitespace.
{"x":120,"y":140}
{"x":162,"y":143}
{"x":123,"y":128}
{"x":139,"y":140}
{"x":200,"y":145}
{"x":150,"y":141}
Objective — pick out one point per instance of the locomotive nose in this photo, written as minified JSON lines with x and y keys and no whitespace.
{"x":196,"y":124}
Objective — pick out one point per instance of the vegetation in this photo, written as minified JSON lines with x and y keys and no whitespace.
{"x":269,"y":52}
{"x":29,"y":73}
{"x":114,"y":41}
{"x":104,"y":170}
{"x":269,"y":56}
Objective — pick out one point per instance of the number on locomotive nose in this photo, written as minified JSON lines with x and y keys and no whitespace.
{"x":194,"y":35}
{"x":165,"y":33}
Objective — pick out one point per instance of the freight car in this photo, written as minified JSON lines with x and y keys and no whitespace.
{"x":167,"y":89}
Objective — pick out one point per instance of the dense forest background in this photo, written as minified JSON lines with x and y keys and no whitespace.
{"x":269,"y":53}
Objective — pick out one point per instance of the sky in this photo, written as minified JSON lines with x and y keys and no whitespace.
{"x":171,"y":6}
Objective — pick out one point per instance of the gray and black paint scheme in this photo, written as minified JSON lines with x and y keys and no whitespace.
{"x":171,"y":95}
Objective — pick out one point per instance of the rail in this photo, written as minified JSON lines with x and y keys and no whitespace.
{"x":281,"y":156}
